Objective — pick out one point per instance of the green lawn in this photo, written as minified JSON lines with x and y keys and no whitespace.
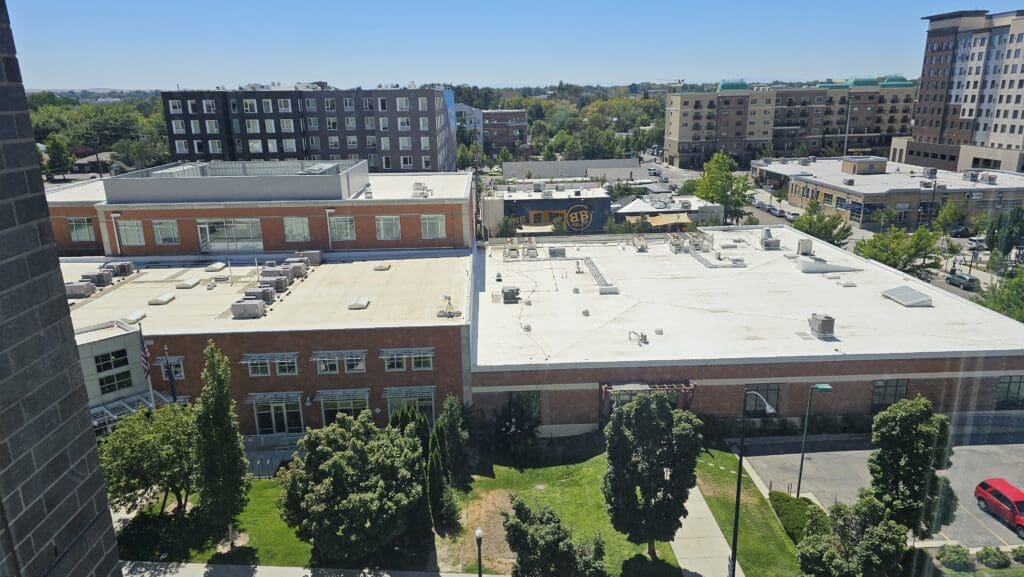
{"x":764,"y":548}
{"x":574,"y":491}
{"x":1014,"y":570}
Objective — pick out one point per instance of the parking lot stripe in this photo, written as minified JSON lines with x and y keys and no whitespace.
{"x":982,"y":523}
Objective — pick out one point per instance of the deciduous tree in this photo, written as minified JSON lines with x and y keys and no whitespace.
{"x":766,"y":150}
{"x":857,"y":540}
{"x":952,"y":213}
{"x":1005,"y":296}
{"x":58,"y":159}
{"x":652,"y":465}
{"x":801,"y":150}
{"x":915,"y":253}
{"x":718,"y":184}
{"x":830,"y":228}
{"x":543,"y":547}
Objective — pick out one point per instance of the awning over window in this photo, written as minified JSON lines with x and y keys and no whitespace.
{"x":407,"y":352}
{"x":409,"y":392}
{"x":341,"y":394}
{"x":162,"y":399}
{"x":338,"y":355}
{"x":249,"y":358}
{"x":280,"y":397}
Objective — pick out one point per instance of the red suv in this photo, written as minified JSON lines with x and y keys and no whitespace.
{"x":1002,"y":499}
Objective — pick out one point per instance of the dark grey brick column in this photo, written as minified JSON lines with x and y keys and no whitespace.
{"x":54,"y":518}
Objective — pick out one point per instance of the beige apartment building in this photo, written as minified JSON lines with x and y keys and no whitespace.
{"x":969,"y":113}
{"x":854,"y":187}
{"x":859,"y":116}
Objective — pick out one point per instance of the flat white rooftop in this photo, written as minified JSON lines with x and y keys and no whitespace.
{"x":553,"y":193}
{"x":410,"y":293}
{"x":81,"y":193}
{"x":897,"y":177}
{"x":756,"y":313}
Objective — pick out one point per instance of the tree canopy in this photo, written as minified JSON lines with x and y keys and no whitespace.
{"x":1005,"y":296}
{"x":652,"y":465}
{"x":718,"y":184}
{"x":543,"y":547}
{"x":858,"y":540}
{"x":915,"y":253}
{"x":1006,"y":230}
{"x":952,"y":213}
{"x":830,"y":228}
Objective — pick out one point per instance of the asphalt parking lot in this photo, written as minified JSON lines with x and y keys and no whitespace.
{"x":836,"y":475}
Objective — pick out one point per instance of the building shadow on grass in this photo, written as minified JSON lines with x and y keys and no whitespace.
{"x":640,"y":566}
{"x":164,"y":537}
{"x":244,"y":556}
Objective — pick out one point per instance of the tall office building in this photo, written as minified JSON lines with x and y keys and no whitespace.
{"x":394,"y":129}
{"x":54,"y":516}
{"x":859,"y":116}
{"x":969,"y":113}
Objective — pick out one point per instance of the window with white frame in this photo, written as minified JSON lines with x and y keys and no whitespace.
{"x":330,"y":105}
{"x":314,"y":142}
{"x":181,"y":146}
{"x":423,"y":361}
{"x":327,"y":366}
{"x":423,"y":104}
{"x":385,"y":143}
{"x":404,"y":124}
{"x":287,"y":125}
{"x":389,"y":227}
{"x":284,"y":105}
{"x":348,"y":104}
{"x":342,"y":228}
{"x":212,"y":127}
{"x":288,"y":144}
{"x":249,"y":106}
{"x":191,"y":106}
{"x":368,"y":104}
{"x":296,"y":229}
{"x":427,"y":163}
{"x":352,"y":141}
{"x":406,"y":162}
{"x":252,"y":126}
{"x":382,"y":123}
{"x":271,"y":145}
{"x":196,"y":126}
{"x":171,"y":365}
{"x":432,"y":226}
{"x":333,"y":142}
{"x":80,"y":229}
{"x":353,"y":156}
{"x":215,"y":147}
{"x":350,"y":123}
{"x":310,"y":104}
{"x":259,"y":369}
{"x":233,"y":105}
{"x":371,"y":160}
{"x":424,"y":143}
{"x":350,"y":403}
{"x":198,"y":146}
{"x":209,"y":107}
{"x":268,"y":105}
{"x":355,"y":363}
{"x":385,"y":162}
{"x":402,"y":104}
{"x":404,"y":143}
{"x":234,"y":126}
{"x":178,"y":126}
{"x":256,"y":146}
{"x":129,"y":233}
{"x":369,"y":123}
{"x":332,"y":123}
{"x":313,"y":123}
{"x":382,"y":104}
{"x":286,"y":367}
{"x":166,"y":232}
{"x":174,"y":106}
{"x":394,"y":362}
{"x":269,"y":125}
{"x":421,"y":398}
{"x":371,"y":142}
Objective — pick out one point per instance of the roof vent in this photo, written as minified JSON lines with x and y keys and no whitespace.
{"x":768,"y":242}
{"x":822,"y":326}
{"x":848,"y":181}
{"x":908,"y":297}
{"x":382,"y":267}
{"x":358,"y":303}
{"x":804,"y":247}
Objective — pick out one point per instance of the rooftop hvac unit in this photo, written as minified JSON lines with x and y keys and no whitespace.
{"x":547,"y":194}
{"x":926,"y":184}
{"x":313,"y":257}
{"x":559,"y":187}
{"x":941,"y":186}
{"x":848,"y":181}
{"x":577,"y":192}
{"x":265,"y":294}
{"x":813,"y":158}
{"x":510,"y":295}
{"x":768,"y":242}
{"x":804,"y":246}
{"x":822,"y":326}
{"x":930,"y":172}
{"x":971,"y":175}
{"x":248,"y":309}
{"x":278,"y":283}
{"x":269,"y":263}
{"x":804,"y":161}
{"x":990,"y":178}
{"x":99,"y":278}
{"x":556,"y":251}
{"x":298,"y":269}
{"x":685,"y":204}
{"x":122,"y":268}
{"x":79,"y":289}
{"x":640,"y":243}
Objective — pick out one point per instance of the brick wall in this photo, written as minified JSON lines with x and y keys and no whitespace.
{"x":54,"y":517}
{"x":62,"y":234}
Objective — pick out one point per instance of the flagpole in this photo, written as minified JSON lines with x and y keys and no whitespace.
{"x":149,"y":379}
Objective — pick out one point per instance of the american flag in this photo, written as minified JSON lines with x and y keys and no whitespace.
{"x":144,"y":353}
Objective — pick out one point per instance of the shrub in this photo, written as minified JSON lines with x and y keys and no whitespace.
{"x":792,"y":513}
{"x":955,"y":557}
{"x":993,"y":558}
{"x":1018,"y":554}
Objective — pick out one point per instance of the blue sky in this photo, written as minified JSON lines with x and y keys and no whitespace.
{"x":204,"y":43}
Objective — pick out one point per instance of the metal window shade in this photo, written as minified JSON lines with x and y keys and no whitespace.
{"x":410,"y":392}
{"x":338,"y":355}
{"x":281,"y":397}
{"x":172,"y":359}
{"x":341,"y":394}
{"x":101,"y":416}
{"x":249,"y":358}
{"x":407,"y":352}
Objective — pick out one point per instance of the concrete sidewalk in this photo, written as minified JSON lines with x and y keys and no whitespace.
{"x":150,"y":569}
{"x":699,"y":545}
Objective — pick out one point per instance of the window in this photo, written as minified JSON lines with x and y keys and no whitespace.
{"x":252,"y":126}
{"x":249,"y":106}
{"x":404,"y":124}
{"x":287,"y":125}
{"x":329,"y":105}
{"x":271,"y":146}
{"x":371,"y":142}
{"x":352,"y":141}
{"x":406,"y":162}
{"x":1010,"y":392}
{"x":296,"y":229}
{"x":212,"y":127}
{"x":351,"y":403}
{"x":332,"y":123}
{"x":313,"y":123}
{"x":424,"y":123}
{"x":181,"y":146}
{"x":423,"y":103}
{"x":259,"y":369}
{"x":382,"y":104}
{"x":348,"y":104}
{"x":191,"y":106}
{"x":389,"y":227}
{"x":422,"y":398}
{"x":342,"y":228}
{"x":423,"y":362}
{"x":178,"y":126}
{"x":275,"y":418}
{"x":753,"y":406}
{"x":368,"y":104}
{"x":310,"y":104}
{"x":327,"y":366}
{"x":110,"y":361}
{"x":284,"y":105}
{"x":402,"y":104}
{"x":80,"y":229}
{"x":269,"y":125}
{"x":288,"y":144}
{"x":355,"y":363}
{"x":115,"y":382}
{"x":371,"y":159}
{"x":385,"y":143}
{"x":129,"y":233}
{"x":268,"y":105}
{"x":382,"y":123}
{"x":432,"y":226}
{"x":426,"y":163}
{"x":174,"y":106}
{"x":333,"y":142}
{"x":209,"y":107}
{"x":394,"y":363}
{"x":424,"y":143}
{"x":256,"y":146}
{"x":385,"y":162}
{"x":314,"y":142}
{"x":166,"y":232}
{"x":888,"y":392}
{"x":171,"y":365}
{"x":350,"y":123}
{"x":404,"y":143}
{"x":287,"y":368}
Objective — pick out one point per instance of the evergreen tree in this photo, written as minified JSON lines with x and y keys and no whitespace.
{"x":544,"y":547}
{"x":801,"y":150}
{"x":224,"y":481}
{"x":437,"y":479}
{"x":58,"y":159}
{"x":456,"y":439}
{"x":410,"y":415}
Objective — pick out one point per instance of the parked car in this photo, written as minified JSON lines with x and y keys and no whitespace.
{"x":791,"y":216}
{"x":964,"y":281}
{"x":960,"y":231}
{"x":653,"y":172}
{"x":977,"y":243}
{"x":761,"y":205}
{"x":776,"y":211}
{"x":1004,"y":501}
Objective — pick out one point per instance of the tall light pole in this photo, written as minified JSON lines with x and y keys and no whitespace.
{"x":479,"y":552}
{"x":769,"y":410}
{"x":821,"y":388}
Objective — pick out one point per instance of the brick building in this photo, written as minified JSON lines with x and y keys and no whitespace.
{"x":54,"y":516}
{"x":255,"y":207}
{"x":505,"y":129}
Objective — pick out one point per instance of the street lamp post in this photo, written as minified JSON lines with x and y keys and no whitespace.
{"x":479,"y":552}
{"x":769,"y":410}
{"x":822,"y":388}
